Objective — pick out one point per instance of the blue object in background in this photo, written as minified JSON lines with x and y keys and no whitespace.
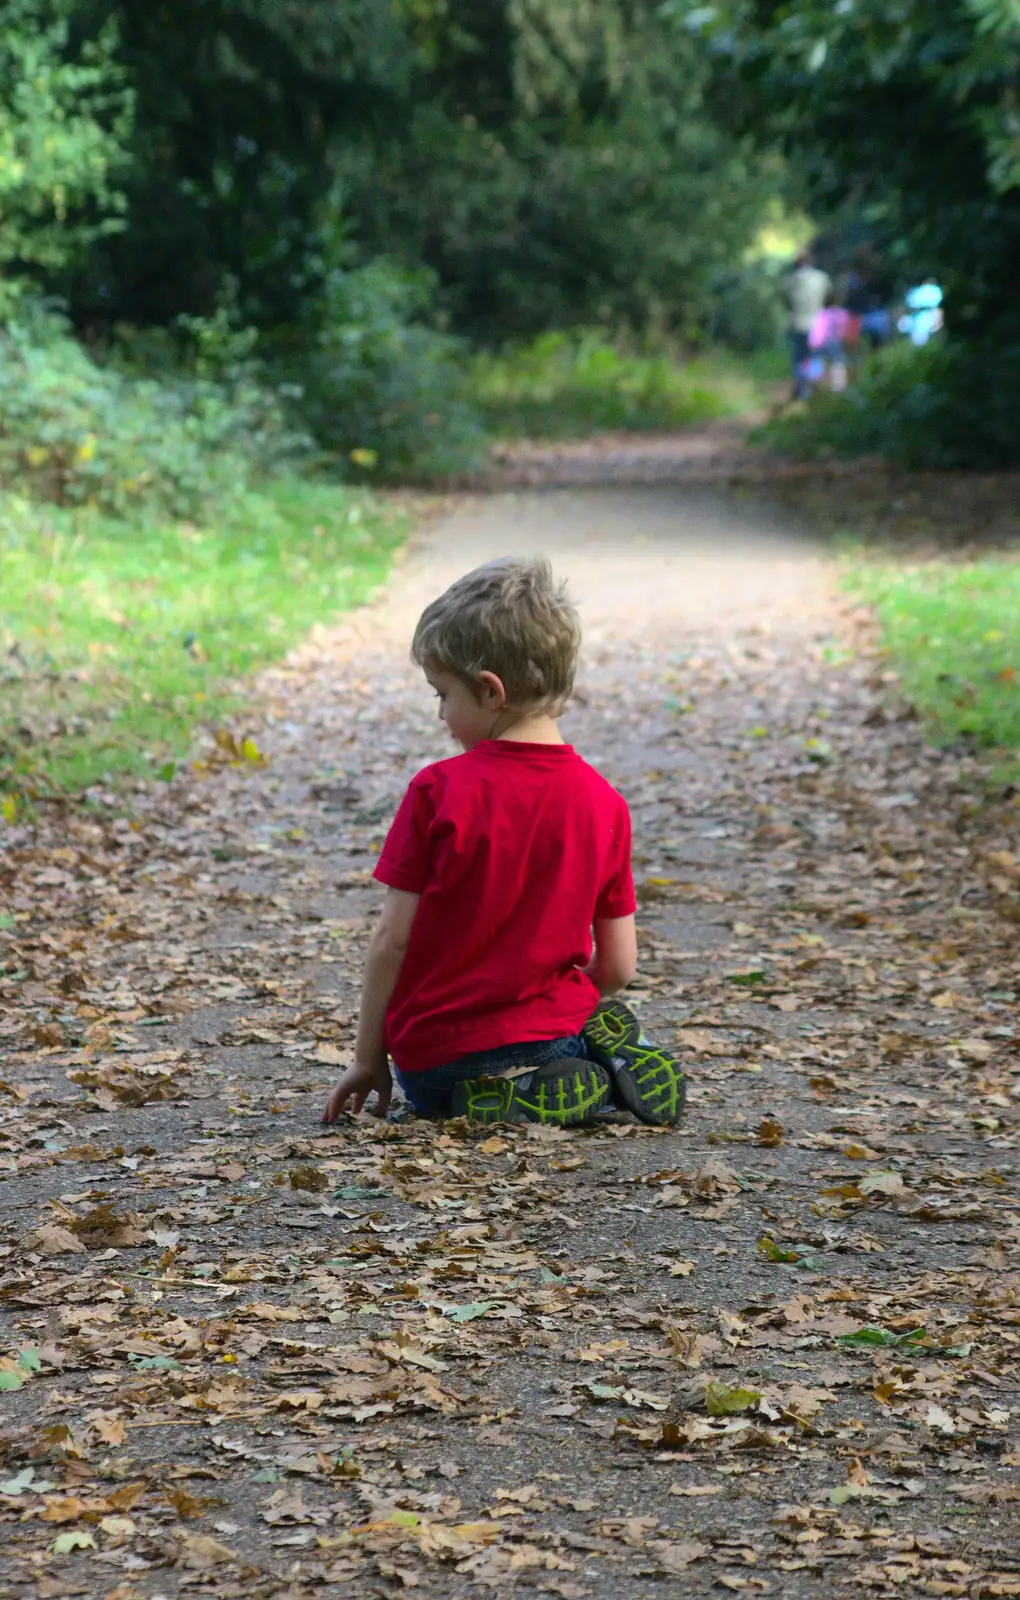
{"x":923,"y":316}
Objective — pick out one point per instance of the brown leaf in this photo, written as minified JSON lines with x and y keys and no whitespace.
{"x":186,"y":1505}
{"x":770,"y":1132}
{"x":126,"y":1497}
{"x":676,"y":1556}
{"x":332,"y":1056}
{"x":715,"y":1178}
{"x":68,"y":1508}
{"x":309,"y":1179}
{"x":104,"y":1225}
{"x":50,"y":1240}
{"x":263,"y":1311}
{"x":108,"y":1426}
{"x":199,"y":1552}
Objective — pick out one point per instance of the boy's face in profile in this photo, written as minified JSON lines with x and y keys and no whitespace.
{"x":469,"y":715}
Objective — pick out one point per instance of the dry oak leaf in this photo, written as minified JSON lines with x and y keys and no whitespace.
{"x":104,"y":1226}
{"x":264,"y":1311}
{"x":440,"y":1539}
{"x":108,"y":1426}
{"x":118,"y":1530}
{"x":68,"y":1508}
{"x":676,"y":1556}
{"x":50,"y":1240}
{"x":199,"y":1551}
{"x":686,"y":1347}
{"x":805,"y":1403}
{"x":976,"y":1049}
{"x":332,"y":1056}
{"x":701,"y":1040}
{"x":715,"y":1178}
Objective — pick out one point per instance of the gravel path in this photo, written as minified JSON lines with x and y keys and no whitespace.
{"x":772,"y":1351}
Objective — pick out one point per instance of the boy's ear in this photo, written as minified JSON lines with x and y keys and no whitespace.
{"x":490,"y":691}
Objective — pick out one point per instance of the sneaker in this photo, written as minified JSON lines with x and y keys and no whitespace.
{"x":649,"y":1081}
{"x":561,"y":1093}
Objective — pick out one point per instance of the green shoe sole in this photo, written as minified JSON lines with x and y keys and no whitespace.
{"x":561,"y":1094}
{"x":649,"y":1081}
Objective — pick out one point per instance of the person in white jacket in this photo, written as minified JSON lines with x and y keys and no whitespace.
{"x":806,"y":288}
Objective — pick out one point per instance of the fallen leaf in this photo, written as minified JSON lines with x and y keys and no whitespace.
{"x":723,"y":1401}
{"x":51,"y":1240}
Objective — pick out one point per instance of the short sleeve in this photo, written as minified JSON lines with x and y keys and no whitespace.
{"x":404,"y":860}
{"x":616,"y":896}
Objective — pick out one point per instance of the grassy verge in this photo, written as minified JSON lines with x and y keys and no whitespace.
{"x":937,"y":557}
{"x":118,"y":638}
{"x":568,"y":385}
{"x":951,"y":630}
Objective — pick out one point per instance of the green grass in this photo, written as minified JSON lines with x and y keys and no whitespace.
{"x":118,"y":639}
{"x":564,"y":386}
{"x":951,"y":629}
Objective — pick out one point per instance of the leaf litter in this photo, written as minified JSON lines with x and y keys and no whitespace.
{"x":773,"y":1351}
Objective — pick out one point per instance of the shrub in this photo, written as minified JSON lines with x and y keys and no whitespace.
{"x":945,"y":405}
{"x":747,"y":311}
{"x":77,"y":433}
{"x":381,"y":390}
{"x":571,"y":384}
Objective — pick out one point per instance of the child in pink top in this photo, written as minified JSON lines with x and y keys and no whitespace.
{"x":827,"y":338}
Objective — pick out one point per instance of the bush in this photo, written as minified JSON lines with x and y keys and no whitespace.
{"x":945,"y":405}
{"x":381,"y":390}
{"x":747,"y":311}
{"x":564,"y":385}
{"x":77,"y":433}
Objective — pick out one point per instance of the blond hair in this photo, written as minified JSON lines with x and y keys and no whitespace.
{"x":509,"y":617}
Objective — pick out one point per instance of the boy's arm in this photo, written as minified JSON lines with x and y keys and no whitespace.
{"x":614,"y":959}
{"x":370,"y":1068}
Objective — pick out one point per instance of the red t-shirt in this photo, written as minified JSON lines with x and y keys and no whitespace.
{"x":515,"y":849}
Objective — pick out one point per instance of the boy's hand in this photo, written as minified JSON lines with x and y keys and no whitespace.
{"x":356,"y":1084}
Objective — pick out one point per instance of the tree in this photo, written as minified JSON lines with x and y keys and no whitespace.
{"x":560,"y":165}
{"x":65,"y":119}
{"x":907,"y":105}
{"x":238,"y":105}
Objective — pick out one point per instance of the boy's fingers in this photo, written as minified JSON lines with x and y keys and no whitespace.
{"x":383,"y":1104}
{"x":336,"y":1102}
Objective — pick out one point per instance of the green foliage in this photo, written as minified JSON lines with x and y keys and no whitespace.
{"x":119,"y":639}
{"x":909,"y":107}
{"x":77,"y":433}
{"x":550,"y":163}
{"x":946,"y":405}
{"x":564,"y":386}
{"x":380,"y":390}
{"x":746,"y":311}
{"x":588,"y":184}
{"x":65,"y":119}
{"x":238,"y":108}
{"x":951,"y":630}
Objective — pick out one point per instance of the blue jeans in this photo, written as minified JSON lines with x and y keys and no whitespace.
{"x":430,"y":1092}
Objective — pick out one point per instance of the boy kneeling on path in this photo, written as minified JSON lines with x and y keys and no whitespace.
{"x":509,"y":912}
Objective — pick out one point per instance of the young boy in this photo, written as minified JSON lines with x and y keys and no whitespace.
{"x":483,"y":981}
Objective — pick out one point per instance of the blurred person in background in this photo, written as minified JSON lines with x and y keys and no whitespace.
{"x":868,"y":293}
{"x":827,"y":340}
{"x":805,"y":288}
{"x":923,"y":315}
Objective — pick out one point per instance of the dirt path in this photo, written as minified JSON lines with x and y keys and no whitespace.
{"x":773,"y":1351}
